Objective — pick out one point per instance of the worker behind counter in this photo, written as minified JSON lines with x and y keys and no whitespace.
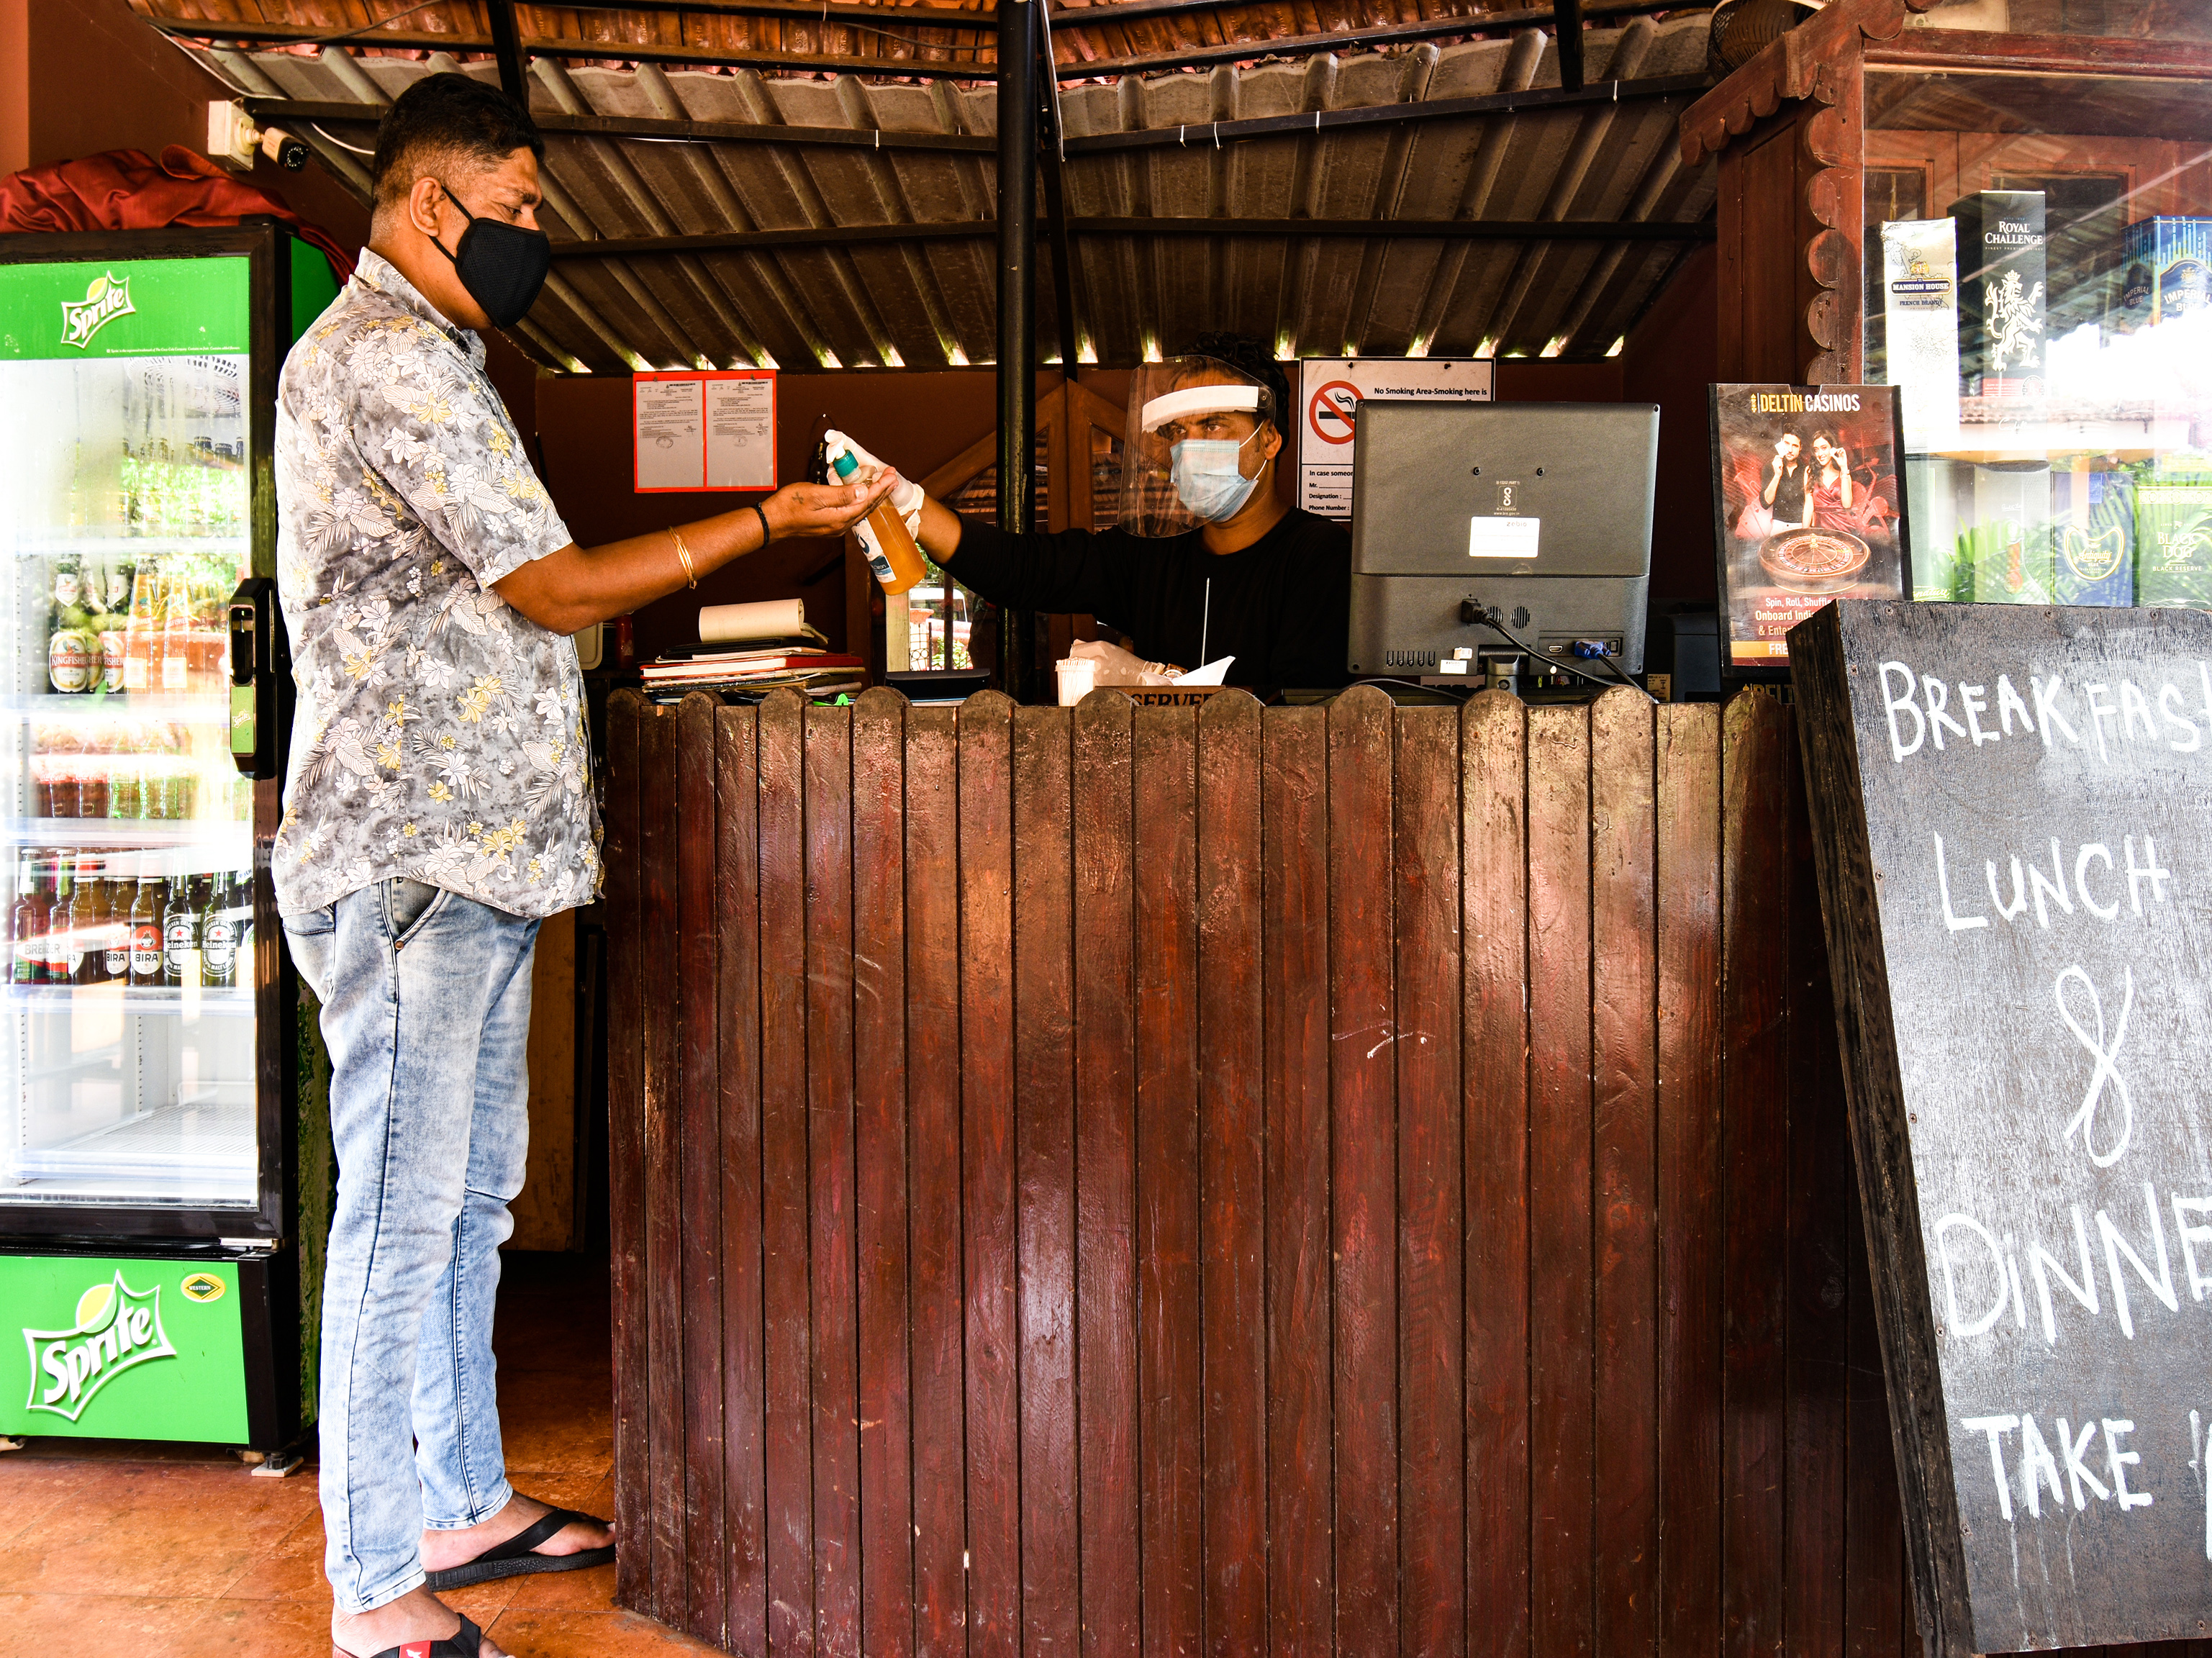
{"x":1205,"y":561}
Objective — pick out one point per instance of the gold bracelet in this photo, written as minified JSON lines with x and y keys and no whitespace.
{"x":684,"y":552}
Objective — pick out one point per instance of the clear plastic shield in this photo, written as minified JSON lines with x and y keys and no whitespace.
{"x":1184,"y":399}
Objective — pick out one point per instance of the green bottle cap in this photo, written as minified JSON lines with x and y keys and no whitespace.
{"x":843,"y":464}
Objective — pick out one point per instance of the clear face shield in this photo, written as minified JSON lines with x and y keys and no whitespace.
{"x":1195,"y":449}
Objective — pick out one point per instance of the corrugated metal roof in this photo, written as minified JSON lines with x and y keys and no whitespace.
{"x":930,"y":301}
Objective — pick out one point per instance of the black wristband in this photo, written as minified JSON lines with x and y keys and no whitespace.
{"x":754,"y":507}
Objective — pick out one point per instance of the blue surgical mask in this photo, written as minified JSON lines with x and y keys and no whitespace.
{"x":1208,"y":478}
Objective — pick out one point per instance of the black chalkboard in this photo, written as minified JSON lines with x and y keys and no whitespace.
{"x":2012,"y":817}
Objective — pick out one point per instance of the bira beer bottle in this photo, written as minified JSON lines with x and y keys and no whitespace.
{"x":146,"y":931}
{"x":115,"y":928}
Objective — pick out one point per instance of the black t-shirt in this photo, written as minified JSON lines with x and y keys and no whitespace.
{"x":1281,"y":607}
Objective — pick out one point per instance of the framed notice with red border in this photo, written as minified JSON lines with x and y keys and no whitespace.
{"x":701,"y":429}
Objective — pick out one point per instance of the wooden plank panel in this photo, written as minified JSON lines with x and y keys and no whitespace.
{"x":626,"y":713}
{"x":934,"y":1067}
{"x":1753,"y":1150}
{"x":1820,"y":1182}
{"x":1232,"y":1289}
{"x":700,"y":1173}
{"x":834,"y":1242}
{"x":1168,"y":1353}
{"x":1432,"y":1300}
{"x":986,"y":1041}
{"x":1106,"y":1173}
{"x":788,"y":1355}
{"x":1624,"y":994}
{"x":1363,"y":1227}
{"x":737,"y":922}
{"x":1561,"y":1339}
{"x":1493,"y":738}
{"x":663,"y":1154}
{"x":1876,"y":1601}
{"x":1044,"y":1086}
{"x":880,"y":1170}
{"x":1687,"y":927}
{"x":1294,"y":929}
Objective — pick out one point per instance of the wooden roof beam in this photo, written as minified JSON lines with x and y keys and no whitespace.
{"x":265,"y":109}
{"x":1494,"y":230}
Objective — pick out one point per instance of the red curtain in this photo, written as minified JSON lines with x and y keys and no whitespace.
{"x":127,"y":190}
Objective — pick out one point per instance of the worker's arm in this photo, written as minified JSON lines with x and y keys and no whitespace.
{"x":575,"y":586}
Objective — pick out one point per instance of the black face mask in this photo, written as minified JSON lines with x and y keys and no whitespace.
{"x":501,"y":265}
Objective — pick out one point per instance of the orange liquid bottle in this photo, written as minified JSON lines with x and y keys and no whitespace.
{"x":891,"y":553}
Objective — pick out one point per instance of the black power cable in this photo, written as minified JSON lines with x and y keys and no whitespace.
{"x":1490,"y":616}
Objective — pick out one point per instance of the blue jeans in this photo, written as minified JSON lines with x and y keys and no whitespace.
{"x":426,"y":1011}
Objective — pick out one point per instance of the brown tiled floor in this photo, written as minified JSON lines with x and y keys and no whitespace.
{"x":116,"y":1546}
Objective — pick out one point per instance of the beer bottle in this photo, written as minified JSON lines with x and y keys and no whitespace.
{"x":181,"y":933}
{"x":139,"y":633}
{"x":62,"y":955}
{"x":146,"y":930}
{"x":176,"y":637}
{"x":115,"y":926}
{"x":87,"y":916}
{"x":27,"y":925}
{"x":219,"y":936}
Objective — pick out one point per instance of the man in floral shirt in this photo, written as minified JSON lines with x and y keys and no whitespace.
{"x":438,"y":805}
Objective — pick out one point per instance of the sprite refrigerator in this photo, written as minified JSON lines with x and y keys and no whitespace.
{"x":164,"y":1170}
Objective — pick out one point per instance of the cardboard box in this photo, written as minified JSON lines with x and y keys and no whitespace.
{"x":2001,"y":293}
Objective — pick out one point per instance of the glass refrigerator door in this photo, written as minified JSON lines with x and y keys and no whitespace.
{"x":127,"y":1051}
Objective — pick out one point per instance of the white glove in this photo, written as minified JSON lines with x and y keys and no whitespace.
{"x":906,"y":496}
{"x":1118,"y":667}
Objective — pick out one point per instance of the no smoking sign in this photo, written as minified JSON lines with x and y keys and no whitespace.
{"x":1333,"y":388}
{"x":1330,"y":409}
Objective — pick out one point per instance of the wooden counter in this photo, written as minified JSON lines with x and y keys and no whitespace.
{"x":1339,"y":1180}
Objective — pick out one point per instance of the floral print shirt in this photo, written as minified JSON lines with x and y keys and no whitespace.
{"x":439,"y":734}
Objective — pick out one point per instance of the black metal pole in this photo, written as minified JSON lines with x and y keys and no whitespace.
{"x":1567,"y":24}
{"x":507,"y":51}
{"x":1017,"y":185}
{"x":1049,"y":157}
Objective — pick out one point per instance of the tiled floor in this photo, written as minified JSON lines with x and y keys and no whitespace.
{"x":107,"y":1546}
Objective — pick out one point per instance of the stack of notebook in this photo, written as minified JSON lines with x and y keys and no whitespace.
{"x":762,"y":668}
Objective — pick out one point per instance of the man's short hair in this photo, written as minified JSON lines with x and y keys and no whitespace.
{"x":1242,"y":352}
{"x":446,"y":125}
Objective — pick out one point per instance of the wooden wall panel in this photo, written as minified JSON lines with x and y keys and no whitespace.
{"x":1346,"y":1179}
{"x":1363,"y":1227}
{"x":700,"y":1181}
{"x":632,"y":1304}
{"x":989,"y":1200}
{"x":661,"y":1158}
{"x":879,"y":1009}
{"x":1169,"y":1378}
{"x":1494,"y":905}
{"x":1106,"y":1177}
{"x":736,"y":924}
{"x":935,"y":1278}
{"x":1294,"y":929}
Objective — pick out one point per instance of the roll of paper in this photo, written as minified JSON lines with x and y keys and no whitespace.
{"x":766,"y":618}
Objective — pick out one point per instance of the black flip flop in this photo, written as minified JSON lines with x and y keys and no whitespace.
{"x":465,"y":1642}
{"x":516,"y":1557}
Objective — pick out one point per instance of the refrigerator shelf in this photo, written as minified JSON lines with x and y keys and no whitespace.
{"x":199,"y":1136}
{"x":138,"y":546}
{"x":153,"y":1001}
{"x":221,"y":837}
{"x":208,"y":707}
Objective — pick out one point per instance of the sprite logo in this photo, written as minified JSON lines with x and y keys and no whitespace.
{"x":108,"y":298}
{"x":118,"y":1329}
